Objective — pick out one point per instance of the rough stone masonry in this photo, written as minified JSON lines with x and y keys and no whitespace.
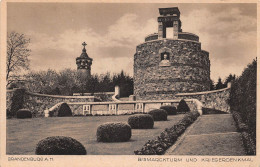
{"x":166,"y":66}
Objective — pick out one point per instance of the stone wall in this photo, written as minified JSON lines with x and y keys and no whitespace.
{"x":37,"y":103}
{"x":188,"y":36}
{"x":125,"y":107}
{"x":217,"y":99}
{"x":151,"y":37}
{"x":189,"y":69}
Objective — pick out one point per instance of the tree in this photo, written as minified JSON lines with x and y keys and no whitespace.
{"x":17,"y":56}
{"x":230,"y":78}
{"x":219,"y":85}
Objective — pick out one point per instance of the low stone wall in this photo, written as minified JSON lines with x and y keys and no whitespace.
{"x":37,"y":103}
{"x":217,"y":99}
{"x":126,"y":107}
{"x":99,"y":96}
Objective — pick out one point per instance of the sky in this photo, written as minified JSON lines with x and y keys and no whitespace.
{"x":113,"y":30}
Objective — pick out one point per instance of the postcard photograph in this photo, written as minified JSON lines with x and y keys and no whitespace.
{"x":172,"y":79}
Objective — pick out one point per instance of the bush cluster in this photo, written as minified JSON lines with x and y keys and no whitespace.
{"x":64,"y":110}
{"x":23,"y":113}
{"x":61,"y":110}
{"x":17,"y":102}
{"x":158,"y":115}
{"x":168,"y":137}
{"x":248,"y":142}
{"x":141,"y":121}
{"x":183,"y":107}
{"x":171,"y":110}
{"x":114,"y":132}
{"x":243,"y":98}
{"x":60,"y":145}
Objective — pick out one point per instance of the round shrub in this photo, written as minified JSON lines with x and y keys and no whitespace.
{"x":158,"y":114}
{"x":171,"y":110}
{"x":64,"y":110}
{"x":114,"y":132}
{"x":24,"y":113}
{"x":141,"y":121}
{"x":60,"y":145}
{"x":183,"y":107}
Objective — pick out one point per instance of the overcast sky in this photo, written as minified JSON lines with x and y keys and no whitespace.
{"x":112,"y":32}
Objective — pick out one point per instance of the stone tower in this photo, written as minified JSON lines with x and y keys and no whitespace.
{"x":84,"y":63}
{"x":166,"y":65}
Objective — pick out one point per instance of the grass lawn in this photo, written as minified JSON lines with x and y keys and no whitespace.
{"x":24,"y":134}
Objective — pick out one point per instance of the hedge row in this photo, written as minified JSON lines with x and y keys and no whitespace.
{"x":249,"y":145}
{"x":168,"y":137}
{"x":243,"y":99}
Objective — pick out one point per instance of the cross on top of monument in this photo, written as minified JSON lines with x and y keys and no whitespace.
{"x":84,"y":44}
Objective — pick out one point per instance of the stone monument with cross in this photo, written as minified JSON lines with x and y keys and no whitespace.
{"x":84,"y":63}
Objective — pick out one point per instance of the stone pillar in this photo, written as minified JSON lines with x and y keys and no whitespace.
{"x":117,"y":91}
{"x":175,"y":30}
{"x":160,"y":30}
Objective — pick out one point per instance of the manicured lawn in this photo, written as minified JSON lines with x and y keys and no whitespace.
{"x":24,"y":134}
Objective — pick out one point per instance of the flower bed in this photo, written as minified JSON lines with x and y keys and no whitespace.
{"x":168,"y":137}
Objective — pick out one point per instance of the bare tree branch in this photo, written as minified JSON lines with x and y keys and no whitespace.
{"x":17,"y":55}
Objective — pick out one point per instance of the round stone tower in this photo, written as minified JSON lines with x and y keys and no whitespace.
{"x":166,"y":65}
{"x":84,"y":63}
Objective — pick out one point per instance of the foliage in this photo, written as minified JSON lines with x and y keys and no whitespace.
{"x":67,"y":82}
{"x":24,"y":113}
{"x":60,"y":145}
{"x":243,"y":98}
{"x":17,"y":56}
{"x":183,"y":107}
{"x":64,"y":110}
{"x":17,"y":102}
{"x":141,"y":121}
{"x":206,"y":111}
{"x":158,"y":115}
{"x":171,"y":110}
{"x":114,"y":132}
{"x":249,"y":144}
{"x":168,"y":137}
{"x":219,"y":85}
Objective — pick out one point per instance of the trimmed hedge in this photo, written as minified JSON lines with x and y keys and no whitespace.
{"x":158,"y":114}
{"x":243,"y":99}
{"x":141,"y":121}
{"x":168,"y":137}
{"x":23,"y":113}
{"x":64,"y":110}
{"x":183,"y":107}
{"x":114,"y":132}
{"x":60,"y":145}
{"x":249,"y":145}
{"x":207,"y":111}
{"x":171,"y":110}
